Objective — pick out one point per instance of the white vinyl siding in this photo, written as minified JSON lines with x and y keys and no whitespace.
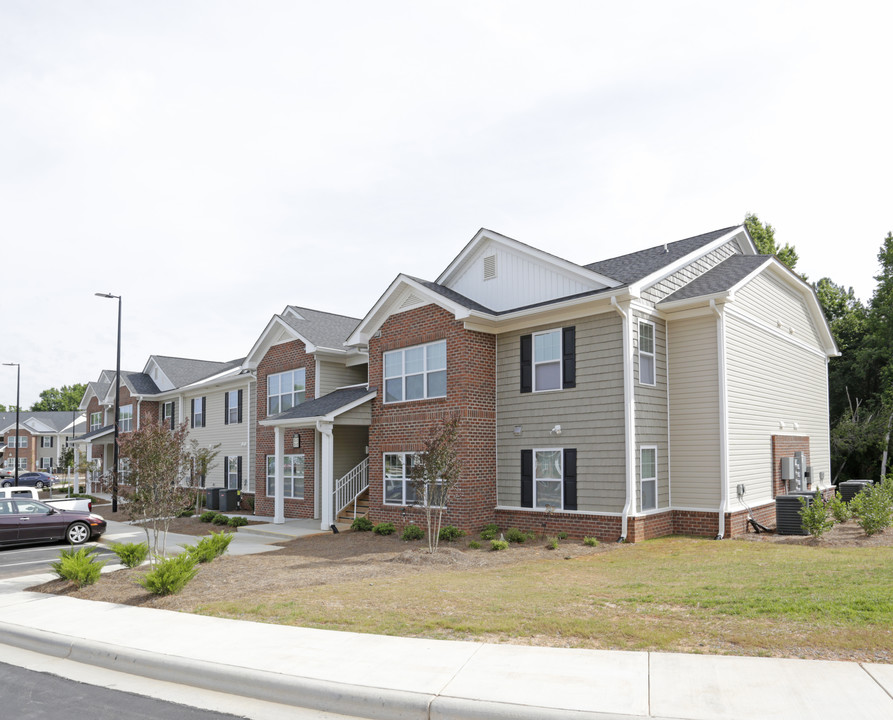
{"x":767,"y":299}
{"x":591,"y":415}
{"x":693,"y":372}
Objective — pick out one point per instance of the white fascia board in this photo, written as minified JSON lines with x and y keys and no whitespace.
{"x":483,"y":235}
{"x":152,"y":362}
{"x":258,"y":350}
{"x":36,"y":425}
{"x":85,"y":401}
{"x":543,"y":314}
{"x":229,"y":378}
{"x":311,"y":421}
{"x":638,"y":287}
{"x":383,"y":309}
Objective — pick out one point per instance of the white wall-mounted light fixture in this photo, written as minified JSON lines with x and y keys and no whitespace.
{"x":556,"y":430}
{"x":517,"y":430}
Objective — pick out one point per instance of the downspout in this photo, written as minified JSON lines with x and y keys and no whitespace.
{"x":629,"y":420}
{"x":723,"y":420}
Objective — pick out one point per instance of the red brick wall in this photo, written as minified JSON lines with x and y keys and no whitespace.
{"x":279,"y":358}
{"x":404,"y":427}
{"x":28,"y":454}
{"x":786,"y":446}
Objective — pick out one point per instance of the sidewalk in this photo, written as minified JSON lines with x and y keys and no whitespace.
{"x":393,"y":678}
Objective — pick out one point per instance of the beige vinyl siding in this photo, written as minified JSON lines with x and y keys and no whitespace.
{"x":349,"y":449}
{"x":235,"y":439}
{"x":694,"y":412}
{"x":771,"y":380}
{"x":333,"y":375}
{"x":361,"y":414}
{"x":651,"y":409}
{"x":683,"y":277}
{"x":591,"y":416}
{"x":771,"y":301}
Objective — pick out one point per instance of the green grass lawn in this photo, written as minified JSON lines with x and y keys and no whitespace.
{"x":672,"y":594}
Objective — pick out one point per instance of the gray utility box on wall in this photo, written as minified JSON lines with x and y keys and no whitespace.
{"x":787,"y":513}
{"x":795,"y":473}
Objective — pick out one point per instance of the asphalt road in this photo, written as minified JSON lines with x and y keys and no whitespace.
{"x":29,"y":695}
{"x":35,"y":559}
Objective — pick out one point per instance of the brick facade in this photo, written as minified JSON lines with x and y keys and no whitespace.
{"x":280,"y":358}
{"x":26,"y":454}
{"x":786,"y":446}
{"x":404,"y":426}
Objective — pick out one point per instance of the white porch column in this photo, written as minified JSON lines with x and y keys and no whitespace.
{"x":279,"y":482}
{"x":77,"y":479}
{"x":326,"y":479}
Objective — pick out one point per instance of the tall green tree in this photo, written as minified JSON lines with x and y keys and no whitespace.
{"x":763,"y":236}
{"x":68,"y":397}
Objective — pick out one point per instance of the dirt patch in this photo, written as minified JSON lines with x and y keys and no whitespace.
{"x":847,"y":534}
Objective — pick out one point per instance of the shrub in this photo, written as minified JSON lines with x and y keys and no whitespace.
{"x":490,"y":532}
{"x":814,"y":516}
{"x":873,"y":508}
{"x":209,"y":547}
{"x":78,"y":566}
{"x":497,"y":545}
{"x":562,"y":535}
{"x":131,"y":554}
{"x":220,"y":519}
{"x":412,"y":532}
{"x":449,"y":533}
{"x":516,"y":536}
{"x":552,"y":543}
{"x":590,"y":541}
{"x":237,"y":521}
{"x":362,"y":524}
{"x":474,"y":545}
{"x":840,"y":511}
{"x":384,"y":528}
{"x":170,"y":575}
{"x":186,"y":512}
{"x":208,"y":516}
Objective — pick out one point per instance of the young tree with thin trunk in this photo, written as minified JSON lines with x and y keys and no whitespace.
{"x":434,"y":473}
{"x":158,"y":459}
{"x":202,"y":462}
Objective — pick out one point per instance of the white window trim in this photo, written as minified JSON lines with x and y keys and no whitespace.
{"x":46,"y":463}
{"x":232,"y":410}
{"x":643,"y":480}
{"x":294,"y":400}
{"x":198,"y":416}
{"x":285,"y":478}
{"x":560,"y":480}
{"x":560,"y":361}
{"x":652,"y":354}
{"x":98,"y":423}
{"x":406,"y":480}
{"x":122,"y":419}
{"x":22,"y":441}
{"x":425,"y":372}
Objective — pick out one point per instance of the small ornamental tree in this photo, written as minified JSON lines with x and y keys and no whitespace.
{"x":202,"y":463}
{"x":158,"y":457}
{"x":434,"y":472}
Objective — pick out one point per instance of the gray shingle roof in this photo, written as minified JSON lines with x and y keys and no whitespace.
{"x":58,"y":420}
{"x":139,"y":383}
{"x":326,"y":404}
{"x":452,"y":295}
{"x":321,"y":328}
{"x":96,"y":433}
{"x":719,"y":279}
{"x":185,"y":371}
{"x":635,"y":266}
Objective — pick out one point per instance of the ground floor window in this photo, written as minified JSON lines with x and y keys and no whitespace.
{"x":124,"y":470}
{"x":398,"y":487}
{"x":648,"y":475}
{"x":46,"y":463}
{"x":549,"y":478}
{"x":292,"y":476}
{"x":232,"y":472}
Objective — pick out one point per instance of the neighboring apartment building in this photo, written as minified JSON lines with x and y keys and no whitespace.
{"x":628,"y":398}
{"x":42,"y":437}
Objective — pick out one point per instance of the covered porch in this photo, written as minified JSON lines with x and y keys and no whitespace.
{"x":98,"y":448}
{"x":340,"y":421}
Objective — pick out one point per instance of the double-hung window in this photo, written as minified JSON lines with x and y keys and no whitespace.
{"x":285,"y":390}
{"x":46,"y":463}
{"x":415,"y":373}
{"x":232,"y":407}
{"x":11,"y":441}
{"x":198,"y":412}
{"x":232,"y":472}
{"x":646,"y":353}
{"x":167,"y":414}
{"x":46,"y":442}
{"x":549,"y":478}
{"x":125,"y":418}
{"x":398,"y":485}
{"x":648,"y":475}
{"x":292,"y":476}
{"x":547,"y":360}
{"x":95,"y":421}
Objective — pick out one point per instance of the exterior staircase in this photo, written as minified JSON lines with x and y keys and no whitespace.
{"x":346,"y":516}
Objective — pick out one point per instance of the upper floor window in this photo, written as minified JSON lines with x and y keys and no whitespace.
{"x":46,"y":441}
{"x":198,"y":412}
{"x":95,"y":421}
{"x":232,"y":407}
{"x":646,"y":353}
{"x":11,"y":441}
{"x":285,"y":390}
{"x":548,"y":360}
{"x":415,"y":373}
{"x":125,"y":418}
{"x":167,"y":414}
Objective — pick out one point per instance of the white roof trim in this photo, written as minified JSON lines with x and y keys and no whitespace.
{"x":455,"y":268}
{"x":276,"y":322}
{"x":330,"y":417}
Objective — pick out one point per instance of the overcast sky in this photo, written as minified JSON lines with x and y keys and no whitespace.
{"x":213,"y":162}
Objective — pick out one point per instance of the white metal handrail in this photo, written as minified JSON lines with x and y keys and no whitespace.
{"x":351,"y":486}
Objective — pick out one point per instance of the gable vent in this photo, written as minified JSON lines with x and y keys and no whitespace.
{"x":489,"y":267}
{"x":411,"y":299}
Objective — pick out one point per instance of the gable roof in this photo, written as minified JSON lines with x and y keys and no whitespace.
{"x":322,"y":329}
{"x":721,"y":278}
{"x":185,"y":371}
{"x":326,"y":407}
{"x":40,"y":421}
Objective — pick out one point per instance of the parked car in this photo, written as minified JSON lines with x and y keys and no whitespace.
{"x":39,"y":480}
{"x":24,"y":522}
{"x":62,"y":503}
{"x":6,"y":472}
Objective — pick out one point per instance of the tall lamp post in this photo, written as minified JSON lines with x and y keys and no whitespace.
{"x":117,"y":402}
{"x":18,"y":379}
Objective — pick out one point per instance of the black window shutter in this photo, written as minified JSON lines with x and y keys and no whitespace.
{"x":569,"y":357}
{"x":226,"y":408}
{"x":526,"y":364}
{"x":527,"y":478}
{"x":51,"y":441}
{"x":226,"y":471}
{"x":239,"y":473}
{"x":192,"y":412}
{"x":204,"y":410}
{"x":570,"y":479}
{"x":240,"y":406}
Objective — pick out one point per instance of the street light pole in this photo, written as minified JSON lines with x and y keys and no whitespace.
{"x":117,"y":403}
{"x":18,"y":379}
